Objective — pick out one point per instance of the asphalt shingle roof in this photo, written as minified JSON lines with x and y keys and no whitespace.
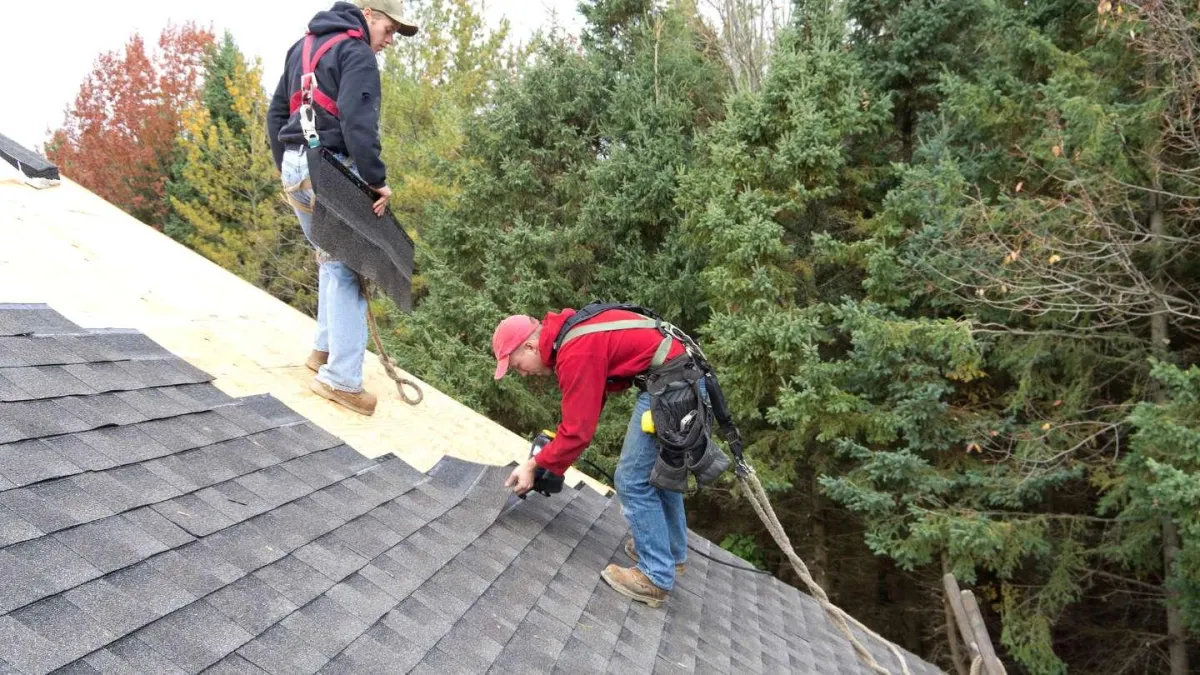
{"x":150,"y":523}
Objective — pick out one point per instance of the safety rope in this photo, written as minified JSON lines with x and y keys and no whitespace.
{"x":762,"y":506}
{"x":368,"y":289}
{"x":977,"y":665}
{"x":389,"y":365}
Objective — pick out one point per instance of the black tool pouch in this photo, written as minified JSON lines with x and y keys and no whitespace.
{"x":709,"y":463}
{"x":681,"y":420}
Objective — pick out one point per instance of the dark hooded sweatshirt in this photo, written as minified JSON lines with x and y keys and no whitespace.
{"x":588,"y":368}
{"x":348,"y":74}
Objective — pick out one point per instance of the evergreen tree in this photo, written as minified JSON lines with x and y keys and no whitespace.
{"x":1033,"y":220}
{"x":220,"y":65}
{"x":791,"y":162}
{"x":568,"y":195}
{"x":236,"y":213}
{"x":906,"y":46}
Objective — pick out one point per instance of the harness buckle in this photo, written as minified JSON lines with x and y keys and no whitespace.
{"x":308,"y":82}
{"x":742,"y":469}
{"x":308,"y":125}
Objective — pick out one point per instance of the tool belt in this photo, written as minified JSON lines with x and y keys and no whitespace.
{"x":682,"y":413}
{"x":683,"y":426}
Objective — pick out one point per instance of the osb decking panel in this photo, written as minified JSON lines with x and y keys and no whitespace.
{"x":101,"y":268}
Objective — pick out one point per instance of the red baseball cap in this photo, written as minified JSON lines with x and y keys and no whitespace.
{"x":509,"y":335}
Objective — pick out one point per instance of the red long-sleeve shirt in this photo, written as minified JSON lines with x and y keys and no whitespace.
{"x":587,"y":368}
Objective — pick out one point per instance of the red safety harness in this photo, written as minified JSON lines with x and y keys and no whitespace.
{"x":309,"y":92}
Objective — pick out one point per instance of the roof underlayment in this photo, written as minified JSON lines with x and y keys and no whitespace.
{"x":98,"y":266}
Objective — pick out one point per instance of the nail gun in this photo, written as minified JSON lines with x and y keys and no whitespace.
{"x":544,"y":482}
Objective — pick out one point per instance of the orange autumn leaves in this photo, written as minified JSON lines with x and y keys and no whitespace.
{"x":118,"y":138}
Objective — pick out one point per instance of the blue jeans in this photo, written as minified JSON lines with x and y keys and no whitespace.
{"x":655,"y":515}
{"x":341,"y":307}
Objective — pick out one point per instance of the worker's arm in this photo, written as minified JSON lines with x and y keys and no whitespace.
{"x":277,"y":116}
{"x":581,"y":376}
{"x":358,"y":109}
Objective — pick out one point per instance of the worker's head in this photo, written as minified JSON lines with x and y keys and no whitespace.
{"x":385,"y":18}
{"x":515,"y":344}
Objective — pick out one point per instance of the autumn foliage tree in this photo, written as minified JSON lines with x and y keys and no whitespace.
{"x":118,"y":138}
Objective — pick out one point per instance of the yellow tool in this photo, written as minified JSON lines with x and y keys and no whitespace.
{"x":647,"y":422}
{"x":540,"y":441}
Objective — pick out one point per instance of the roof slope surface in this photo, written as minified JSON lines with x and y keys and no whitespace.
{"x":151,"y":523}
{"x":101,"y":267}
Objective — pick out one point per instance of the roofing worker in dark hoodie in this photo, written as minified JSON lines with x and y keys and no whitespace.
{"x":588,"y":368}
{"x":346,"y":98}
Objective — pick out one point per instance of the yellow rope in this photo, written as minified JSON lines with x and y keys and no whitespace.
{"x":389,"y":366}
{"x":367,"y":289}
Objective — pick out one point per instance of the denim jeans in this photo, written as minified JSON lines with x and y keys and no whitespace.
{"x":655,"y":515}
{"x":341,"y":307}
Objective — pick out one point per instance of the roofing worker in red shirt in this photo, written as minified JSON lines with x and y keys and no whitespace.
{"x":589,"y":364}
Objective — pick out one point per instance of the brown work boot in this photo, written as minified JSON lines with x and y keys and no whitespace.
{"x":632,"y":583}
{"x":631,"y":552}
{"x":362,"y":403}
{"x":317,"y":359}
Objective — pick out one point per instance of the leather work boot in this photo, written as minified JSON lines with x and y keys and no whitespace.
{"x":631,"y":583}
{"x":317,"y":359}
{"x":631,"y":552}
{"x":362,"y":403}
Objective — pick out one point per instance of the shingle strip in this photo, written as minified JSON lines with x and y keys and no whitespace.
{"x":23,"y":319}
{"x":36,"y":419}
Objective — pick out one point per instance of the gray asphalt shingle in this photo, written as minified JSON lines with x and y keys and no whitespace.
{"x":24,"y":319}
{"x":37,"y":350}
{"x":32,"y":462}
{"x":104,"y":376}
{"x":10,"y":392}
{"x":155,"y":404}
{"x":101,"y":410}
{"x":47,"y":382}
{"x":54,"y":505}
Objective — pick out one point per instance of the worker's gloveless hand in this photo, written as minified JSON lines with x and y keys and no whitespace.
{"x":384,"y":193}
{"x":521,"y":479}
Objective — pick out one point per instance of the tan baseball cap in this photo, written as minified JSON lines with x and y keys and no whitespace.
{"x":392,"y":9}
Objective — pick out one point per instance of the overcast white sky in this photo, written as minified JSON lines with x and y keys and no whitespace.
{"x":47,"y":50}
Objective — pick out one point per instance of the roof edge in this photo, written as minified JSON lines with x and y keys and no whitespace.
{"x":28,"y":162}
